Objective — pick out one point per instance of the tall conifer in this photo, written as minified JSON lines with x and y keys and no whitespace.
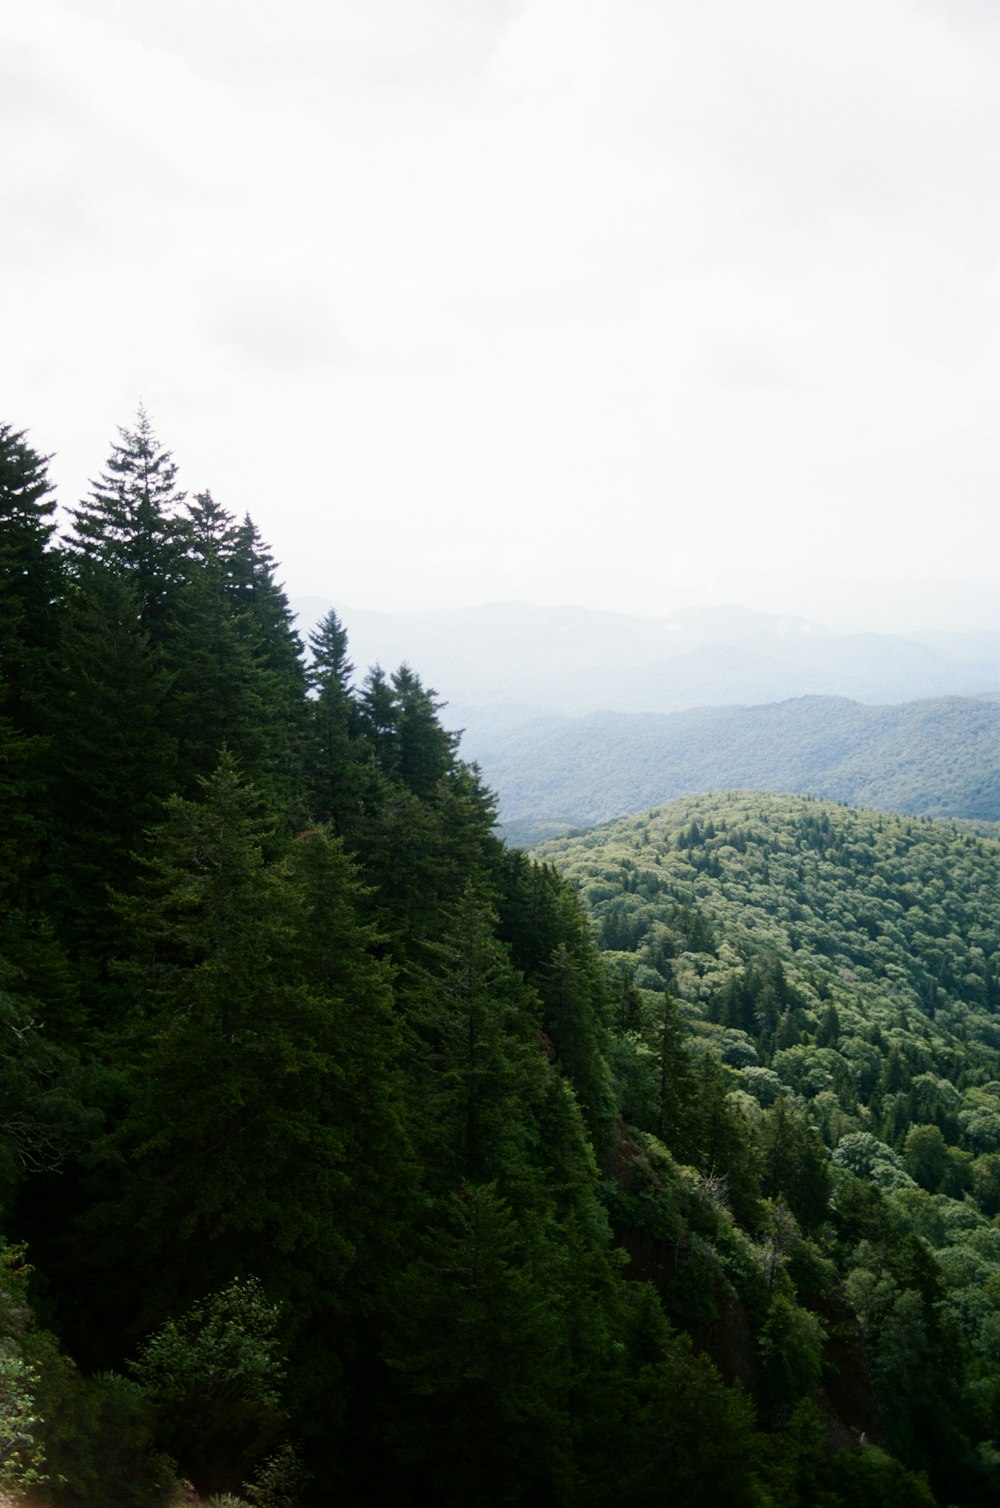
{"x":130,"y":522}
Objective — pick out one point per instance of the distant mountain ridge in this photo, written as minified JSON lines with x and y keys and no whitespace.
{"x":929,"y":758}
{"x":578,"y":716}
{"x":576,"y":660}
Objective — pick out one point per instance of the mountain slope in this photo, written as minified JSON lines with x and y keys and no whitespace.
{"x":887,"y":914}
{"x":928,"y":758}
{"x":807,"y":1027}
{"x":808,"y":1015}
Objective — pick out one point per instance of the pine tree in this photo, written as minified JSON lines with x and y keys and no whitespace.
{"x":481,"y":1365}
{"x":222,"y":694}
{"x":30,"y":592}
{"x":111,"y":756}
{"x":130,"y":523}
{"x":426,"y":753}
{"x":338,"y":765}
{"x":265,"y":1132}
{"x":379,"y":719}
{"x":676,"y":1080}
{"x":266,"y":622}
{"x":552,"y":945}
{"x":265,"y":1042}
{"x":30,"y":580}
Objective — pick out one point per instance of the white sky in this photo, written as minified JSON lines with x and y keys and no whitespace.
{"x":630,"y":303}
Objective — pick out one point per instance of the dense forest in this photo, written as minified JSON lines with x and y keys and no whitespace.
{"x":351,"y":1156}
{"x":931,"y":758}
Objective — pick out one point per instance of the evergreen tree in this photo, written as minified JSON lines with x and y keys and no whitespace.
{"x":222,"y":694}
{"x":338,"y":764}
{"x":551,"y":944}
{"x":481,"y":1360}
{"x":794,"y":1165}
{"x":130,"y":523}
{"x":266,"y":623}
{"x":676,"y":1080}
{"x":264,"y":1133}
{"x":111,"y":757}
{"x":379,"y":718}
{"x":30,"y":580}
{"x":426,"y":753}
{"x":30,"y":592}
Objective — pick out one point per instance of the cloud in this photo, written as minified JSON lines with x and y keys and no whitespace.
{"x":697,"y":289}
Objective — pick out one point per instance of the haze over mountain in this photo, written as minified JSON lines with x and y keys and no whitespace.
{"x":577,"y":716}
{"x":514,"y":656}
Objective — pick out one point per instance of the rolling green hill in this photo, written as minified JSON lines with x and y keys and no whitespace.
{"x":882,"y":915}
{"x":928,"y":758}
{"x":807,"y":1019}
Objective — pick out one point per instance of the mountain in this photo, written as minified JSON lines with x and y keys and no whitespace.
{"x":807,"y":1013}
{"x":348,"y":1168}
{"x":929,"y":758}
{"x":574,"y":660}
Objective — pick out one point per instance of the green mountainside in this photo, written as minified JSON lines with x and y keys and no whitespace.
{"x":815,"y":1032}
{"x":339,"y":1165}
{"x":928,"y":758}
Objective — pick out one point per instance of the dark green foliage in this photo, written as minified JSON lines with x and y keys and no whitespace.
{"x":791,"y":1341}
{"x":265,"y":623}
{"x":263,"y":1038}
{"x":872,"y":1479}
{"x":221,"y":694}
{"x":793,"y":1163}
{"x":481,"y":1358}
{"x":677,"y":1086}
{"x":328,"y":1123}
{"x":540,"y":918}
{"x":111,"y":753}
{"x":337,"y":758}
{"x":130,"y":526}
{"x":212,"y":1381}
{"x":30,"y":579}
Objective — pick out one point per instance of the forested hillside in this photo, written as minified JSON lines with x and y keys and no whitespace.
{"x":336,"y":1163}
{"x":934,"y":758}
{"x":808,"y":1016}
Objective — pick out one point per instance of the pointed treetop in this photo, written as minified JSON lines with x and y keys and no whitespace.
{"x":25,"y":490}
{"x":129,"y":523}
{"x":328,"y":647}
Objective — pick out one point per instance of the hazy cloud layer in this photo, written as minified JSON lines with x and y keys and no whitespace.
{"x":609,"y":301}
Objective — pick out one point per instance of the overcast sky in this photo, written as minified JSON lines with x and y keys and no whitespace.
{"x":628,"y":303}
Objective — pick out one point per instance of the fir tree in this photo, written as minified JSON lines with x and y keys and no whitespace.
{"x":266,"y":623}
{"x":111,"y":755}
{"x":130,"y":523}
{"x":222,"y":694}
{"x":337,"y":761}
{"x":30,"y":580}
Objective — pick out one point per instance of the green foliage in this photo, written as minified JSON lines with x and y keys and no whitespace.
{"x":130,"y":527}
{"x":870,"y":1478}
{"x":791,"y":1350}
{"x":99,"y":1445}
{"x":846,"y":966}
{"x":31,"y":581}
{"x":328,"y":1104}
{"x":213,"y":1379}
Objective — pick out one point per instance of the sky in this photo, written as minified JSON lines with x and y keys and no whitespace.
{"x":627,"y":303}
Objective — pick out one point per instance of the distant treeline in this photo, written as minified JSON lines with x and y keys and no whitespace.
{"x":936,"y":758}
